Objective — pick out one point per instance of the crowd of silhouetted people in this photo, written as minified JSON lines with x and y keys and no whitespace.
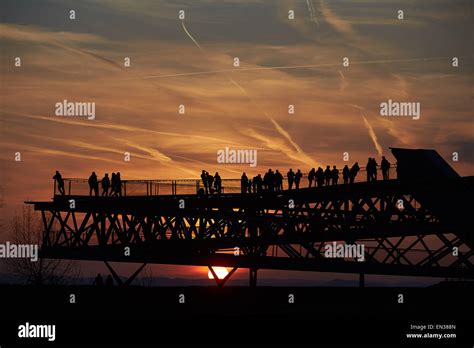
{"x":271,"y":181}
{"x":111,"y":186}
{"x":99,"y":281}
{"x":212,"y":184}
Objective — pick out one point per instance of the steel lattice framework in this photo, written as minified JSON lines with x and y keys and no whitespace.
{"x":405,"y":228}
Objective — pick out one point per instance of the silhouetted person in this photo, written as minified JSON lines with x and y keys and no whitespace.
{"x":273,"y":181}
{"x":368,"y":169}
{"x":320,"y":177}
{"x":353,"y":172}
{"x":327,"y":175}
{"x":60,"y":182}
{"x":210,"y":181}
{"x":249,"y":187}
{"x":385,"y":166}
{"x":254,"y":184}
{"x":334,"y":175}
{"x":278,"y":181}
{"x":113,"y":184}
{"x":259,"y":183}
{"x":298,"y":176}
{"x":218,"y":183}
{"x":93,"y":185}
{"x":244,"y":182}
{"x":204,"y":175}
{"x":269,"y":180}
{"x":345,"y":174}
{"x":291,"y":178}
{"x":311,"y":177}
{"x":266,"y":180}
{"x":374,"y":169}
{"x":105,"y":182}
{"x":98,"y":280}
{"x":118,"y":188}
{"x":109,"y":282}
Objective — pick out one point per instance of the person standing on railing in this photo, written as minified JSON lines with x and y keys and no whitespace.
{"x":244,"y":182}
{"x":259,"y":183}
{"x":113,"y":185}
{"x":210,"y":181}
{"x":353,"y":172}
{"x":272,"y":181}
{"x":60,"y":183}
{"x":254,"y":184}
{"x":374,"y":169}
{"x":327,"y":175}
{"x":269,"y":179}
{"x":345,"y":174}
{"x":298,"y":177}
{"x":278,"y":181}
{"x":105,"y":185}
{"x":266,"y":180}
{"x":320,"y":177}
{"x":118,"y":189}
{"x":291,"y":178}
{"x":385,"y":166}
{"x":93,"y":185}
{"x":311,"y":177}
{"x":334,"y":175}
{"x":218,"y":183}
{"x":98,"y":281}
{"x":204,"y":175}
{"x":368,"y":169}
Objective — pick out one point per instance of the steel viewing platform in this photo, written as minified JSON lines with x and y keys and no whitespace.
{"x":416,"y":225}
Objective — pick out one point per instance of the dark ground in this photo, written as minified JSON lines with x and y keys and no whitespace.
{"x":236,"y":314}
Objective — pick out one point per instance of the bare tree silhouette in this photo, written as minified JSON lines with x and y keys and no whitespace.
{"x":26,"y":228}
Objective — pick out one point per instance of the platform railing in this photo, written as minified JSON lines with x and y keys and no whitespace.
{"x":155,"y":187}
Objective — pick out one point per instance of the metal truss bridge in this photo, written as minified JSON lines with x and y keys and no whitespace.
{"x":416,"y":225}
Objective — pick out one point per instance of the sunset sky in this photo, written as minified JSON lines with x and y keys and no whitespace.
{"x":190,"y":62}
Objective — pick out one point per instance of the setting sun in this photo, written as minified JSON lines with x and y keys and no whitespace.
{"x":221,"y":272}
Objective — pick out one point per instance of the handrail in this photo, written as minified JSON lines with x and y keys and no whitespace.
{"x":151,"y":187}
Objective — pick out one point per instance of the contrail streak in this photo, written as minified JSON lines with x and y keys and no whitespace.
{"x":302,"y":156}
{"x":312,"y":12}
{"x":373,"y":136}
{"x":191,"y":37}
{"x":344,"y":84}
{"x":242,"y":89}
{"x":290,"y":67}
{"x":389,"y":125}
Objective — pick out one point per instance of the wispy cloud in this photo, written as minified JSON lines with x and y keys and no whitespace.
{"x":30,"y":33}
{"x":104,"y":125}
{"x":300,"y":154}
{"x":335,"y":21}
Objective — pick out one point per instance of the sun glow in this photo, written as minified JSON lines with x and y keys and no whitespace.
{"x":221,"y":272}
